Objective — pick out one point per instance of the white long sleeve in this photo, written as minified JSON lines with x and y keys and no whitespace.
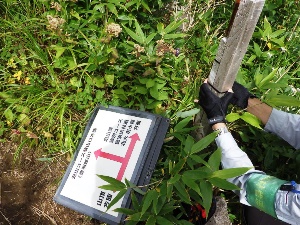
{"x":286,"y":126}
{"x":234,"y":157}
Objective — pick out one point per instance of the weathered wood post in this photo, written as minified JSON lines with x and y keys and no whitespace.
{"x":231,"y":51}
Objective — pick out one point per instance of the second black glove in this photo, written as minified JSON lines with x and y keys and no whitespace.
{"x":214,"y":107}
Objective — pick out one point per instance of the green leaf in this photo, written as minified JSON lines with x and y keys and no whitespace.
{"x":134,"y":36}
{"x":135,"y":201}
{"x":173,"y":26}
{"x":190,"y":183}
{"x":24,"y":119}
{"x":184,"y":222}
{"x":174,"y":36}
{"x":111,"y":187}
{"x":231,"y":117}
{"x":277,"y":33}
{"x":151,"y":220}
{"x":139,"y":31}
{"x":159,"y":94}
{"x":279,"y":42}
{"x":141,"y":90}
{"x":229,"y":173}
{"x":206,"y":190}
{"x":268,"y":78}
{"x":135,"y":217}
{"x":150,"y":38}
{"x":199,"y":159}
{"x":257,"y":50}
{"x":184,"y":114}
{"x":183,"y":194}
{"x":150,"y":83}
{"x":274,"y":85}
{"x":112,"y":8}
{"x":160,"y":28}
{"x":183,"y":123}
{"x":174,"y":179}
{"x":146,"y":6}
{"x":178,"y":166}
{"x":258,"y":77}
{"x":117,"y":198}
{"x":112,"y":181}
{"x":75,"y":82}
{"x":267,"y":28}
{"x":196,"y":174}
{"x":203,"y":143}
{"x":251,"y":119}
{"x":109,"y":78}
{"x":124,"y":211}
{"x":149,"y":197}
{"x":59,"y":50}
{"x":162,"y":221}
{"x":9,"y":115}
{"x":215,"y":160}
{"x":224,"y":184}
{"x":158,"y":204}
{"x":189,"y":142}
{"x":283,"y":100}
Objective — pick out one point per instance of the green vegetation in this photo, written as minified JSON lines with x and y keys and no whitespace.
{"x":59,"y":60}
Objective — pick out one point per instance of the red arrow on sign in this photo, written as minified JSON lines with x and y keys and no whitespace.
{"x":124,"y":160}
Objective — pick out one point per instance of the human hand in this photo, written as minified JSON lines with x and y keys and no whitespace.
{"x":214,"y":107}
{"x":240,"y":95}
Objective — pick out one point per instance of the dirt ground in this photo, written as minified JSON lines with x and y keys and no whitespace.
{"x":27,"y":189}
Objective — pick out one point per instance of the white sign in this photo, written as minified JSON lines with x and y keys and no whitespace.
{"x":112,"y":148}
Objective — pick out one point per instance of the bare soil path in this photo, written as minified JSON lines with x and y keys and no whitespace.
{"x":27,"y":189}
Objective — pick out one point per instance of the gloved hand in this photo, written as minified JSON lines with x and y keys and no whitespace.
{"x":214,"y":107}
{"x":240,"y":96}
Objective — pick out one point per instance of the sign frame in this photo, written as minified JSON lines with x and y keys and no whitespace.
{"x":143,"y":169}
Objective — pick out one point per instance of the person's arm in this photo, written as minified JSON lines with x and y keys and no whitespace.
{"x":285,"y":125}
{"x":234,"y":157}
{"x":256,"y":188}
{"x":259,"y":109}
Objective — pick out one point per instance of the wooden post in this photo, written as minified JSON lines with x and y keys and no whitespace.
{"x":231,"y":52}
{"x":234,"y":46}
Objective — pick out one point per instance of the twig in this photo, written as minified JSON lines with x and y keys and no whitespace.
{"x":5,"y":218}
{"x":41,"y":213}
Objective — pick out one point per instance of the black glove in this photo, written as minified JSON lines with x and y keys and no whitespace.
{"x":240,"y":96}
{"x":214,"y":107}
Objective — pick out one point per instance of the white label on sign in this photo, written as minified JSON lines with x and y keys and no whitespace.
{"x":111,"y":148}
